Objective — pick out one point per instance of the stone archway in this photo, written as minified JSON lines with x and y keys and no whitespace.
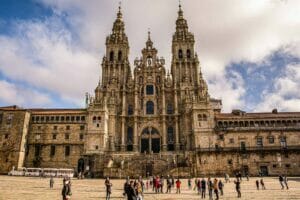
{"x":150,"y":140}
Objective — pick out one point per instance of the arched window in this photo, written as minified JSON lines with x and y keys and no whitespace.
{"x":188,"y":53}
{"x":170,"y":138}
{"x":149,"y":108}
{"x":111,"y":56}
{"x":129,"y":138}
{"x":169,"y":109}
{"x":119,"y":55}
{"x":180,"y":55}
{"x":130,"y":110}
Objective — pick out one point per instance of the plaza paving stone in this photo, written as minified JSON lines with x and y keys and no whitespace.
{"x":30,"y":188}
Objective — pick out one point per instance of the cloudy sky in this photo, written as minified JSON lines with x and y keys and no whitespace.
{"x":50,"y":50}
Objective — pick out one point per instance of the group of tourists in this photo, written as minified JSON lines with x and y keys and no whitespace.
{"x":134,"y":189}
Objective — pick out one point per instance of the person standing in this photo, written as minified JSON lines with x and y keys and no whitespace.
{"x":126,"y":187}
{"x":108,"y":186}
{"x":199,"y":186}
{"x":178,"y":186}
{"x":210,"y":188}
{"x":281,"y":181}
{"x":262,"y":183}
{"x":189,"y":183}
{"x":51,"y":182}
{"x":221,"y":185}
{"x":285,"y":180}
{"x":257,"y":184}
{"x":203,"y":188}
{"x":66,"y":191}
{"x":227,"y":178}
{"x":216,"y":189}
{"x":238,"y":187}
{"x":169,"y":185}
{"x":162,"y":182}
{"x":139,"y":191}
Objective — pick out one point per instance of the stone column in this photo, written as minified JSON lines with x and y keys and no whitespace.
{"x":123,"y":120}
{"x":164,"y":135}
{"x":177,"y":144}
{"x":135,"y":131}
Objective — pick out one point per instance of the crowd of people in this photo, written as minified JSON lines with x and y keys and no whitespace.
{"x":134,"y":188}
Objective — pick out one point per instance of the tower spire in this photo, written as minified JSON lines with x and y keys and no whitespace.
{"x":149,"y":42}
{"x":119,"y":14}
{"x":180,"y":12}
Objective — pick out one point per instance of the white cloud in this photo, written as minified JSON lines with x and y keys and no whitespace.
{"x":285,"y":95}
{"x":13,"y":95}
{"x":225,"y":31}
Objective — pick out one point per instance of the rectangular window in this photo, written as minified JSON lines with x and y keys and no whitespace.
{"x":149,"y":90}
{"x":82,"y":127}
{"x":54,"y":127}
{"x":67,"y":150}
{"x":271,"y":140}
{"x":39,"y":127}
{"x":231,"y":140}
{"x":67,"y":127}
{"x":67,"y":136}
{"x":37,"y":150}
{"x":283,"y":142}
{"x":259,"y":141}
{"x":52,"y":151}
{"x":54,"y":136}
{"x":96,"y":147}
{"x":81,"y":136}
{"x":6,"y":136}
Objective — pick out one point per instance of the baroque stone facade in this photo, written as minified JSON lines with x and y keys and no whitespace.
{"x":150,"y":121}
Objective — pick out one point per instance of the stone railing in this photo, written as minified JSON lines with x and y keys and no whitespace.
{"x":249,"y":149}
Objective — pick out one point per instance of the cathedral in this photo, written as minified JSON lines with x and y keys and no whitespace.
{"x":145,"y":120}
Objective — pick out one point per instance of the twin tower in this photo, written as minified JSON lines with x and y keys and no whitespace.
{"x":149,"y":110}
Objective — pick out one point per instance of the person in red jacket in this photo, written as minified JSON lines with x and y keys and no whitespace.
{"x":178,"y":185}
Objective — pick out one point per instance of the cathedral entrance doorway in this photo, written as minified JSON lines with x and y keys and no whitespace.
{"x":150,"y":140}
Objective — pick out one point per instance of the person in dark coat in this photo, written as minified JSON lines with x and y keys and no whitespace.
{"x":257,"y":184}
{"x":130,"y":192}
{"x":51,"y":182}
{"x":203,"y":188}
{"x":66,"y":191}
{"x":108,"y":186}
{"x":238,"y":187}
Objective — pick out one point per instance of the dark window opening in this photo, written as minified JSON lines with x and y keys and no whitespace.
{"x":37,"y":150}
{"x":68,"y":127}
{"x":259,"y":141}
{"x":119,"y":55}
{"x":96,"y":147}
{"x":82,"y":127}
{"x":180,"y":54}
{"x":67,"y":150}
{"x":188,"y":53}
{"x":52,"y":151}
{"x":130,"y":110}
{"x":129,"y":138}
{"x":54,"y":127}
{"x":6,"y":136}
{"x":149,"y":90}
{"x":271,"y":140}
{"x":111,"y":56}
{"x":67,"y":136}
{"x":149,"y":108}
{"x":81,"y":136}
{"x":54,"y":136}
{"x":170,"y":140}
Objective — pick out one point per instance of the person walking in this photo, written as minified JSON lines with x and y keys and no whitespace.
{"x":169,"y":185}
{"x":210,"y":188}
{"x":139,"y":191}
{"x":198,"y":186}
{"x":162,"y":182}
{"x":66,"y":190}
{"x":227,"y":178}
{"x":257,"y":184}
{"x":203,"y":188}
{"x":126,"y":187}
{"x":285,"y":180}
{"x":108,"y":186}
{"x":221,"y":185}
{"x":238,"y":187}
{"x":51,"y":182}
{"x":281,"y":181}
{"x":189,"y":183}
{"x":131,"y":195}
{"x":178,"y":186}
{"x":216,"y":188}
{"x":262,"y":183}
